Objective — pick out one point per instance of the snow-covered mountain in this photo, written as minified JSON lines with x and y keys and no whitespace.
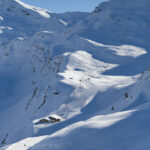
{"x":74,"y":80}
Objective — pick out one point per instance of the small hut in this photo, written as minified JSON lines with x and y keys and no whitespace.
{"x":44,"y":121}
{"x":53,"y":119}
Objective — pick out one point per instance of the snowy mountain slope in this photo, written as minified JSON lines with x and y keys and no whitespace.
{"x":120,"y":22}
{"x":136,"y":126}
{"x":103,"y":131}
{"x":78,"y":67}
{"x":17,"y":17}
{"x":38,"y":73}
